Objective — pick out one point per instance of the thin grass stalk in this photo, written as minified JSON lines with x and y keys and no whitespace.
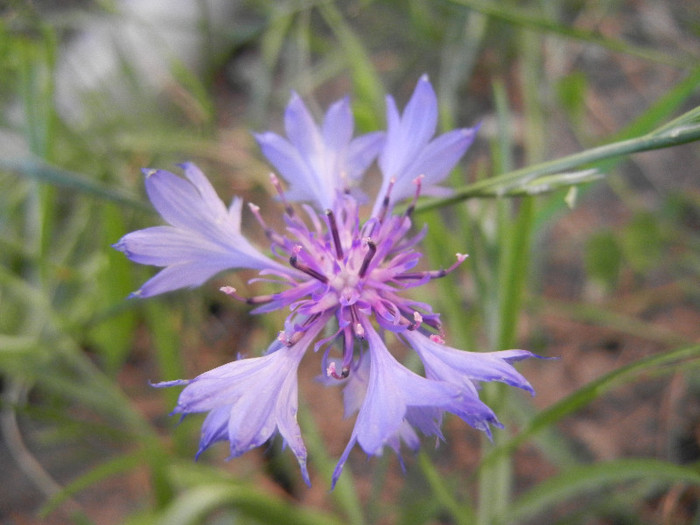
{"x":538,"y":24}
{"x":494,"y":483}
{"x":344,"y":492}
{"x":685,"y":130}
{"x":462,"y":514}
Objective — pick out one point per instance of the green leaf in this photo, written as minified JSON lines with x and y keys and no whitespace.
{"x":462,"y":514}
{"x":108,"y":469}
{"x":344,"y":493}
{"x":191,"y":506}
{"x":642,"y":242}
{"x":509,"y":13}
{"x":588,"y":478}
{"x":603,"y":259}
{"x":39,"y":170}
{"x":685,"y":129}
{"x":571,"y":91}
{"x":113,"y":335}
{"x":667,"y":362}
{"x":370,"y":98}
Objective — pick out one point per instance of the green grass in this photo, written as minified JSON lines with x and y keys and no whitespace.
{"x":575,"y":99}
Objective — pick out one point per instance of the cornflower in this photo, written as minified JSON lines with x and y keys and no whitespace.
{"x":331,"y":270}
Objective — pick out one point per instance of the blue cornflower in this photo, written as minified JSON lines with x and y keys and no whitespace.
{"x":332,"y":270}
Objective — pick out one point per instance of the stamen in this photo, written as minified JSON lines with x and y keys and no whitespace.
{"x":385,"y":205}
{"x":437,"y":339}
{"x":294,"y":261}
{"x":372,"y":249}
{"x":269,"y":232}
{"x":417,"y":321}
{"x":433,"y":322}
{"x":331,"y":371}
{"x":336,"y":236}
{"x":359,"y":331}
{"x":298,"y":331}
{"x":418,"y":181}
{"x":344,"y":183}
{"x":278,"y":186}
{"x":349,"y":349}
{"x":296,"y":337}
{"x":259,"y":299}
{"x":434,"y":274}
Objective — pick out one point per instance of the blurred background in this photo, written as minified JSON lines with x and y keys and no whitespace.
{"x":604,"y":276}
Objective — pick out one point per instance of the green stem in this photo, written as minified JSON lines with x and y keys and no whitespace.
{"x":344,"y":492}
{"x":523,"y":19}
{"x":502,"y":184}
{"x":461,"y":514}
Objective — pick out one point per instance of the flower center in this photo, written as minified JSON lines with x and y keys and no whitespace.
{"x":346,"y":284}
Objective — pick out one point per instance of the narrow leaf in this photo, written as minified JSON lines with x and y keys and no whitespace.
{"x":596,"y":477}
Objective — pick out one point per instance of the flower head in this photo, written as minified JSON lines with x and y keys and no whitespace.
{"x":331,"y":269}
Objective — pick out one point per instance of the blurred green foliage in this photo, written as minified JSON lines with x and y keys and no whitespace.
{"x":565,"y":92}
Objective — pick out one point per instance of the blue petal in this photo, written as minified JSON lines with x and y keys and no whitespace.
{"x":178,"y":201}
{"x":181,"y":275}
{"x":301,"y":129}
{"x":214,"y":428}
{"x":249,"y":399}
{"x":203,"y":237}
{"x":407,"y":135}
{"x":391,"y":389}
{"x":287,"y":160}
{"x":419,"y":119}
{"x":361,"y":153}
{"x":319,"y":163}
{"x":165,"y":245}
{"x":338,"y":125}
{"x":462,"y":367}
{"x":408,"y":151}
{"x":436,"y":160}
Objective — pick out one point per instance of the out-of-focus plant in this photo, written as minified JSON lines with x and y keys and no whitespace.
{"x":76,"y":355}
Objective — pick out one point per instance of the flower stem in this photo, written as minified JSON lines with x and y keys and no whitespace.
{"x":683,"y":130}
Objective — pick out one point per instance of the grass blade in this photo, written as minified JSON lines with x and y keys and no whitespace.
{"x":684,"y":130}
{"x":588,"y":478}
{"x":44,"y":172}
{"x":520,"y":17}
{"x":667,"y":362}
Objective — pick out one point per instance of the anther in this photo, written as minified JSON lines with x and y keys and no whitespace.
{"x":334,"y":232}
{"x":359,"y":331}
{"x":417,"y":321}
{"x":331,"y":371}
{"x":287,"y":340}
{"x":372,"y":249}
{"x":294,"y":261}
{"x":259,"y":299}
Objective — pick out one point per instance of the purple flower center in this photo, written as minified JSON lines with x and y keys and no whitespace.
{"x":353,"y":271}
